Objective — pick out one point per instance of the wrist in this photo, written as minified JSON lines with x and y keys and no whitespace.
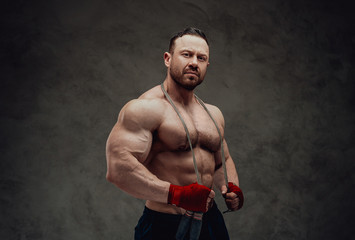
{"x":232,"y":184}
{"x":235,"y":189}
{"x":192,"y":197}
{"x":174,"y":194}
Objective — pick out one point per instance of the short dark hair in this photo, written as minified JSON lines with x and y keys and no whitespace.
{"x":187,"y":31}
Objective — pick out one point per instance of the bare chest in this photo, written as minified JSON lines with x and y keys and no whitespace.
{"x":202,"y":131}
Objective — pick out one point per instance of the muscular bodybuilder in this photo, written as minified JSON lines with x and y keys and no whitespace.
{"x":149,"y":157}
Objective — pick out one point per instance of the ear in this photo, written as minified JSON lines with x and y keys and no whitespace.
{"x":167,"y":58}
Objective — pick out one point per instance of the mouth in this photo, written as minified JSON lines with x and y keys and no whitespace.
{"x":191,"y":73}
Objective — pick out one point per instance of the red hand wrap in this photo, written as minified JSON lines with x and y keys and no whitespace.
{"x":235,"y":189}
{"x":192,"y":197}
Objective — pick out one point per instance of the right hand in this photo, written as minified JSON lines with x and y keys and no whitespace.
{"x":193,"y":197}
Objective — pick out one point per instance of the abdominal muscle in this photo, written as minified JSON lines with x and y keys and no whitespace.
{"x":177,"y":168}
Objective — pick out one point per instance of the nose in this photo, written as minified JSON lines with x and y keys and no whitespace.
{"x":193,"y":61}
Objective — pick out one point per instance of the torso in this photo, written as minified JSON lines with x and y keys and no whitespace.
{"x":170,"y":158}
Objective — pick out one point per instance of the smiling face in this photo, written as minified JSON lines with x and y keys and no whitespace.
{"x":187,"y":64}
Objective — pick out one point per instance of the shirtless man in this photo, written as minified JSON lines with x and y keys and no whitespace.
{"x":149,"y":157}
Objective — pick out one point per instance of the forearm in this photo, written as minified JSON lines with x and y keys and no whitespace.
{"x":139,"y":182}
{"x":134,"y":178}
{"x":219,"y":179}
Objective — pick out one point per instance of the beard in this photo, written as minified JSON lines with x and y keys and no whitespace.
{"x":186,"y":82}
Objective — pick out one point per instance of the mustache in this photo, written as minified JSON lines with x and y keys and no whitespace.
{"x":193,"y":70}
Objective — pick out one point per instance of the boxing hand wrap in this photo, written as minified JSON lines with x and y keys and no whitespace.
{"x":235,"y":189}
{"x":192,"y":197}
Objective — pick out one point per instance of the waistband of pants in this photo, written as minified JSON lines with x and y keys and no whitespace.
{"x":169,"y":216}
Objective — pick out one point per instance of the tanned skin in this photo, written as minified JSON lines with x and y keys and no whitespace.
{"x":147,"y":149}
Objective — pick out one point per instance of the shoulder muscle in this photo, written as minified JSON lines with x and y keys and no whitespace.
{"x":141,"y":114}
{"x":216,"y":113}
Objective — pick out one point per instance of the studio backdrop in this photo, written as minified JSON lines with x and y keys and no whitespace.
{"x":282,"y":72}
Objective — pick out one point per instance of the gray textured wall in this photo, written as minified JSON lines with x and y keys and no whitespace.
{"x":282,"y":72}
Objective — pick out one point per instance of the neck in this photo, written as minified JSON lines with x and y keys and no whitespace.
{"x":178,"y":93}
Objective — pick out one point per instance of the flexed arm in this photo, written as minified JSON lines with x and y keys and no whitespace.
{"x":127,"y":149}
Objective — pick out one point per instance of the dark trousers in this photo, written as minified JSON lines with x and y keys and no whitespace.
{"x":156,"y":225}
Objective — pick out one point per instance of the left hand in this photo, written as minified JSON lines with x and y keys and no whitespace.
{"x":234,"y":197}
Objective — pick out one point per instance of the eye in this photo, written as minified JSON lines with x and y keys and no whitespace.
{"x":202,"y":58}
{"x":185,"y":54}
